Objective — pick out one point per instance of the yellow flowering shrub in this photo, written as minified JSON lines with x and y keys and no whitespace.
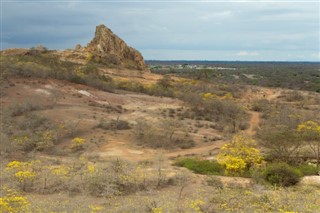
{"x":234,"y":164}
{"x":59,"y":170}
{"x":11,"y":202}
{"x":208,"y":96}
{"x":45,"y":140}
{"x":25,"y":175}
{"x":23,"y":171}
{"x":156,"y":210}
{"x":91,"y":169}
{"x":309,"y":126}
{"x":78,"y":143}
{"x":228,"y":96}
{"x":95,"y":209}
{"x":196,"y":204}
{"x":240,"y":154}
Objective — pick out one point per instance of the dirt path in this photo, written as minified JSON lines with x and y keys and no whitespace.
{"x":253,"y":123}
{"x":197,"y":150}
{"x":265,"y":93}
{"x":120,"y":148}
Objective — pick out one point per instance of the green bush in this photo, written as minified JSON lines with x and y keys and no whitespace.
{"x":201,"y":166}
{"x":282,"y":174}
{"x":308,"y":169}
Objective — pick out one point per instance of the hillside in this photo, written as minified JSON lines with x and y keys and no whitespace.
{"x":93,"y":130}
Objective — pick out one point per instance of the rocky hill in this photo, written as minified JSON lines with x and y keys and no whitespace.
{"x":106,"y":48}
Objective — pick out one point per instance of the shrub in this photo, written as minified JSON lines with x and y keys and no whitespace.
{"x":294,"y":96}
{"x":200,"y":166}
{"x":215,"y":182}
{"x":308,"y":169}
{"x":184,"y":143}
{"x":260,"y":105}
{"x":78,"y":144}
{"x":13,"y":202}
{"x":113,"y":125}
{"x":239,"y":155}
{"x":25,"y":107}
{"x":281,"y":174}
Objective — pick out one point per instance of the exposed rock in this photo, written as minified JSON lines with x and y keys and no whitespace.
{"x":108,"y":48}
{"x":78,"y":47}
{"x":40,"y":48}
{"x":105,"y":48}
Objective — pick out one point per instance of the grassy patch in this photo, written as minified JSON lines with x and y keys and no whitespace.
{"x":206,"y":167}
{"x":306,"y":169}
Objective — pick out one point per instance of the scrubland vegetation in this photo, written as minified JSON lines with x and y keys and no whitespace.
{"x":54,"y":164}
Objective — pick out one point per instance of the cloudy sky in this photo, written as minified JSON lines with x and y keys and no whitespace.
{"x":172,"y":30}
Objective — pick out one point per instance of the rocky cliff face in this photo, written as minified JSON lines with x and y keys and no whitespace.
{"x":108,"y":48}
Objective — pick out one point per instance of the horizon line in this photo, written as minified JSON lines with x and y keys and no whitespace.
{"x":206,"y":60}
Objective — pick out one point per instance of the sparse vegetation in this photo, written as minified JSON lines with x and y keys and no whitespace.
{"x":113,"y":125}
{"x":69,"y":144}
{"x":167,"y":134}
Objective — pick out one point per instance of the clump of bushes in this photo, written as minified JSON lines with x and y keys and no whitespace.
{"x":207,"y":167}
{"x":25,"y":107}
{"x":31,"y":132}
{"x":293,"y":96}
{"x":167,"y":134}
{"x":282,"y":174}
{"x":113,"y":124}
{"x":261,"y":105}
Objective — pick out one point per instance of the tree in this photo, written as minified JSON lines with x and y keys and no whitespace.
{"x":281,"y":141}
{"x":310,"y":132}
{"x":240,"y":154}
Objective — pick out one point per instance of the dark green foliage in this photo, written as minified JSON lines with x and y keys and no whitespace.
{"x":282,"y":174}
{"x":200,"y":166}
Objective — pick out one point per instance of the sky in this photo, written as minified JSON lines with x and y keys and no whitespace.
{"x":172,"y":30}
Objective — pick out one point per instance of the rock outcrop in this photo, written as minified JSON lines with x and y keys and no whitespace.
{"x":105,"y":48}
{"x":108,"y":48}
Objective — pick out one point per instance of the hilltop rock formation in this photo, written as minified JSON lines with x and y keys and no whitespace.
{"x":105,"y":48}
{"x":108,"y":48}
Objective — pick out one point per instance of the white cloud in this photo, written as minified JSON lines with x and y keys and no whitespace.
{"x":172,"y":30}
{"x":246,"y":53}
